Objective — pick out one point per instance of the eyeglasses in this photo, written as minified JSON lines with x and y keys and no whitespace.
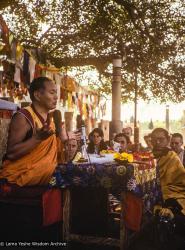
{"x":175,"y":143}
{"x":158,"y":139}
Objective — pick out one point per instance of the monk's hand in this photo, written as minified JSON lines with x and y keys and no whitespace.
{"x":166,"y":212}
{"x":44,"y":132}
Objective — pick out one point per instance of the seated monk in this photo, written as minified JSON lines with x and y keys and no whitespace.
{"x":166,"y":229}
{"x":31,"y":155}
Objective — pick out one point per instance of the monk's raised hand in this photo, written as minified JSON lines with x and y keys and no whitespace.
{"x":44,"y":132}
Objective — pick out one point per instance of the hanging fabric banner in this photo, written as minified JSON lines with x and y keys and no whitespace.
{"x":17,"y":75}
{"x":26,"y":73}
{"x":32,"y":64}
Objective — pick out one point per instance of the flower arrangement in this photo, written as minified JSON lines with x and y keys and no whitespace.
{"x":123,"y":157}
{"x":145,"y":160}
{"x":142,"y":156}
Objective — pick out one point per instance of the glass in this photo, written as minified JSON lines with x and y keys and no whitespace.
{"x":84,"y":152}
{"x":96,"y":151}
{"x":116,"y":146}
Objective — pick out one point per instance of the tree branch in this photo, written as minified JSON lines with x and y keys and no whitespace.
{"x":133,"y":16}
{"x":81,"y":61}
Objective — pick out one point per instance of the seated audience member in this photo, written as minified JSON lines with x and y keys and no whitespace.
{"x":124,"y":142}
{"x":31,"y":156}
{"x":156,"y":234}
{"x":147,"y":139}
{"x":70,"y":149}
{"x":177,"y":146}
{"x":96,"y":143}
{"x":127,"y":131}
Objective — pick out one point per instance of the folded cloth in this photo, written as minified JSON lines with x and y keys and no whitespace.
{"x":107,"y":158}
{"x":8,"y":105}
{"x":133,"y":211}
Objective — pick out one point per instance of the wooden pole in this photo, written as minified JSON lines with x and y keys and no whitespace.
{"x":136,"y":129}
{"x":167,"y":118}
{"x":116,"y":124}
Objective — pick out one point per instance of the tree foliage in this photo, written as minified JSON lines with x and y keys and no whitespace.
{"x":148,"y":34}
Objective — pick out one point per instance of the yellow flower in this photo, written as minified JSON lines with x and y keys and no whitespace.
{"x":130,"y":158}
{"x":117,"y":156}
{"x":124,"y":157}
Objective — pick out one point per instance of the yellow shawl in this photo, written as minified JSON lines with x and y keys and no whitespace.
{"x":172,"y":178}
{"x":37,"y":167}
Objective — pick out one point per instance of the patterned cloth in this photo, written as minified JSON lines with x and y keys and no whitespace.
{"x":91,"y":175}
{"x":111,"y":176}
{"x":140,"y":196}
